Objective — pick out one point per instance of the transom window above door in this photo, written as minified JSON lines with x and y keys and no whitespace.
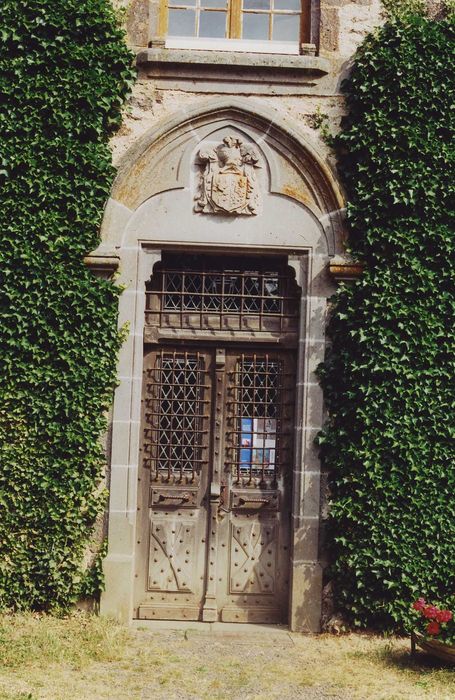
{"x":276,"y":26}
{"x":214,"y":294}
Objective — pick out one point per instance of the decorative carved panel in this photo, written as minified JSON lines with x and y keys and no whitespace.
{"x":253,"y":558}
{"x":171,"y":556}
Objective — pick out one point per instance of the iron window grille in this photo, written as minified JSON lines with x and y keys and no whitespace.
{"x":240,"y":296}
{"x":260,"y":407}
{"x":175,"y":442}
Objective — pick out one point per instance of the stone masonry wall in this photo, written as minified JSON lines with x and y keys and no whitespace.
{"x":344,"y":24}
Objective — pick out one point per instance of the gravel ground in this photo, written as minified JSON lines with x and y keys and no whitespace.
{"x":248,"y":663}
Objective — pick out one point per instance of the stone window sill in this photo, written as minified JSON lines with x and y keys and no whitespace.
{"x":161,"y":58}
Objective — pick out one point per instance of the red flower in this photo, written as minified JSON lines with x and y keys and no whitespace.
{"x":433,"y":628}
{"x":444,"y":616}
{"x":430,"y":612}
{"x":419,"y":604}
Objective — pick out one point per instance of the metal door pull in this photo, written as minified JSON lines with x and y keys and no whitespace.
{"x":184,"y":497}
{"x":254,"y":500}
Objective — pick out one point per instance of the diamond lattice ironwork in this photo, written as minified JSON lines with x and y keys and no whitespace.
{"x":259,"y":405}
{"x":175,"y":400}
{"x":246,"y":297}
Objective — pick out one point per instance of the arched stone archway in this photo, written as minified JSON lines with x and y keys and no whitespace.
{"x":297,"y":216}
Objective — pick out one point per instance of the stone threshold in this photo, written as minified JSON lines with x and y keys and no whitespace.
{"x":218,"y":629}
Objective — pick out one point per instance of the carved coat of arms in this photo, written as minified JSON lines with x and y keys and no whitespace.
{"x":228,"y":181}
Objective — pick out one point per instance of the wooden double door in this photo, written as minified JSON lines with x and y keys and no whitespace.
{"x":215,"y":482}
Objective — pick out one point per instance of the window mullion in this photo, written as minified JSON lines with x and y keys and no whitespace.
{"x":305,"y":22}
{"x":198,"y":16}
{"x":235,"y":19}
{"x":163,"y":19}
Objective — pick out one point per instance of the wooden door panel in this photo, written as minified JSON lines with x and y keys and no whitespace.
{"x":177,"y":396}
{"x":216,"y":477}
{"x":171,"y":559}
{"x":253,"y":553}
{"x":258,"y":469}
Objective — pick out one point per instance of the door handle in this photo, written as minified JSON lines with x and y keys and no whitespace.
{"x":254,"y":500}
{"x":175,"y":497}
{"x":184,"y":497}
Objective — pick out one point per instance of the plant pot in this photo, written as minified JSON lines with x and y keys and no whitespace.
{"x":443,"y":651}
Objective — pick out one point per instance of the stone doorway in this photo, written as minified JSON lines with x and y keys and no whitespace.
{"x":229,"y":179}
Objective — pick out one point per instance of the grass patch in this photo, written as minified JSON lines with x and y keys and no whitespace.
{"x":84,"y":657}
{"x":75,"y":641}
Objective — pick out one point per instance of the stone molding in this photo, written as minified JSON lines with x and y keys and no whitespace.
{"x":312,"y":184}
{"x":104,"y":264}
{"x":304,"y":63}
{"x":233,"y":71}
{"x":345,"y":269}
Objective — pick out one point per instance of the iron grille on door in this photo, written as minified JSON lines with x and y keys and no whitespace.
{"x":175,"y":418}
{"x":260,"y":407}
{"x":239,"y":295}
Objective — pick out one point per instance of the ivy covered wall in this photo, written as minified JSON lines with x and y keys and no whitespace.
{"x":64,"y":74}
{"x":389,"y":378}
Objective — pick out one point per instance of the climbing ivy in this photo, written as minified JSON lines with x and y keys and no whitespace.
{"x":64,"y":74}
{"x":388,"y":379}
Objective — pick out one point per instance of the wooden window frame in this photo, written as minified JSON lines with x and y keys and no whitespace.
{"x":234,"y":40}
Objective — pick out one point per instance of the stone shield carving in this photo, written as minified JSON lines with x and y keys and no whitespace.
{"x":227,"y":180}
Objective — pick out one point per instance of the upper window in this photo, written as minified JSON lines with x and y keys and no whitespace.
{"x":230,"y":24}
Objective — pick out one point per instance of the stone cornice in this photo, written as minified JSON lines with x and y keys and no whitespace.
{"x":345,"y":269}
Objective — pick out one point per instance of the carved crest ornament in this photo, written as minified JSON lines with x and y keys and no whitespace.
{"x":228,"y":183}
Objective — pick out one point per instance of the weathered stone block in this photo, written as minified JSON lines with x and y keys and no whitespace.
{"x":306,"y":541}
{"x":330,"y":28}
{"x":306,"y":607}
{"x":116,"y":600}
{"x":336,"y":3}
{"x":137,"y":24}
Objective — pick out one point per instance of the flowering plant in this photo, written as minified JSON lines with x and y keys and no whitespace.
{"x":434,"y":621}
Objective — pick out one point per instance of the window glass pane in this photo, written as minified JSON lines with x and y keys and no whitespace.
{"x":286,"y":27}
{"x":182,"y":3}
{"x":181,"y":22}
{"x":288,"y":5}
{"x":256,"y":4}
{"x":212,"y":24}
{"x":255,"y":26}
{"x":259,"y":405}
{"x":219,"y":4}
